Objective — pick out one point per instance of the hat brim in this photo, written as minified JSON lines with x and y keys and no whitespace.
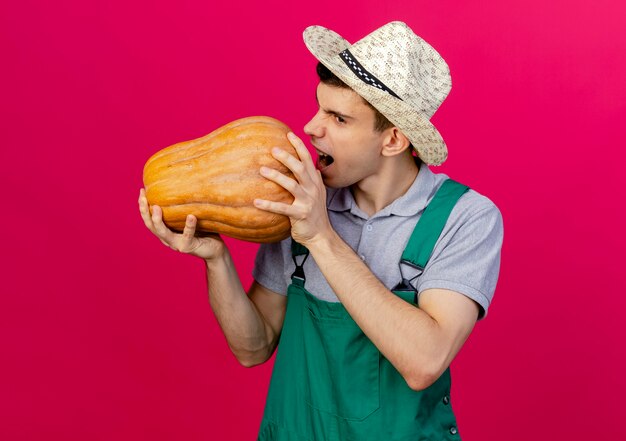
{"x":325,"y":45}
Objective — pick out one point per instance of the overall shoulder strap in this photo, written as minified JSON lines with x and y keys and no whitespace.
{"x":298,"y":249}
{"x":429,"y":227}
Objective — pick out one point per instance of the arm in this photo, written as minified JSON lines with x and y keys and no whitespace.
{"x":251,"y":323}
{"x":419,"y":342}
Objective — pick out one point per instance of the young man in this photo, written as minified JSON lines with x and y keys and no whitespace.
{"x":389,"y":265}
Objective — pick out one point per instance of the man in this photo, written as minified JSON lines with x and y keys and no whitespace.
{"x":389,"y":265}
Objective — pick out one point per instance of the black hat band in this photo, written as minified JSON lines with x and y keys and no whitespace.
{"x":363,"y":74}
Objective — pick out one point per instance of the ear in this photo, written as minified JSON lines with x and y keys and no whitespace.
{"x":394,"y":142}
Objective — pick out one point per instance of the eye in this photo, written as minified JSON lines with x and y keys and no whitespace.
{"x":339,"y":119}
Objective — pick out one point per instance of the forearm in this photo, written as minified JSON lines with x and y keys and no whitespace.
{"x":248,"y":336}
{"x":407,"y":336}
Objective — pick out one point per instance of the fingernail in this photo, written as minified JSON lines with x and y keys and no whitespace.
{"x":276,"y":150}
{"x":291,"y":135}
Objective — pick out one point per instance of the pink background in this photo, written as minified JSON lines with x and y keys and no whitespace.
{"x":105,"y":334}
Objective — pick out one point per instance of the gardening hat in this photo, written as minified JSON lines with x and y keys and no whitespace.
{"x":397,"y":72}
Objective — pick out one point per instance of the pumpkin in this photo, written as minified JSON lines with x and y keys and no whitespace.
{"x":216,"y":178}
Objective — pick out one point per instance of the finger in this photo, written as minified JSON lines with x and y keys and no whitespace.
{"x":303,"y":152}
{"x":188,"y":232}
{"x":287,"y":183}
{"x":144,"y":209}
{"x":145,"y":214}
{"x":161,"y":230}
{"x":293,"y":164}
{"x":277,"y":207}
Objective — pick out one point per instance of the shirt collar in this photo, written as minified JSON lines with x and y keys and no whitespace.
{"x":410,"y":203}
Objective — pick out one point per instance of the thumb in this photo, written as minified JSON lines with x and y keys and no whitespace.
{"x":188,"y":233}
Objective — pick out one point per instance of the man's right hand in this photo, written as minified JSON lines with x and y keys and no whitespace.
{"x":209,"y":247}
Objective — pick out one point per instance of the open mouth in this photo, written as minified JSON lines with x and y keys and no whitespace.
{"x":323,"y":160}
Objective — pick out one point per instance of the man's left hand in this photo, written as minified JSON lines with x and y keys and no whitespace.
{"x":307,"y":212}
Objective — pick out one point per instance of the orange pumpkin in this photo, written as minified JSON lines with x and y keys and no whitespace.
{"x":217,"y":177}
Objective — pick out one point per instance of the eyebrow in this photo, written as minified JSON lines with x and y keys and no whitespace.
{"x":332,"y":112}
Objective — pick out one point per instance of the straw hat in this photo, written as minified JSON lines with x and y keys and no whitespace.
{"x":397,"y":72}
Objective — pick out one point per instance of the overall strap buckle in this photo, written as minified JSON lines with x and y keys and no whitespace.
{"x":298,"y":250}
{"x":405,"y":284}
{"x":299,"y":272}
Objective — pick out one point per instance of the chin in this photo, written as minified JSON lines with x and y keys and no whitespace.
{"x":330,"y":183}
{"x":337,"y":183}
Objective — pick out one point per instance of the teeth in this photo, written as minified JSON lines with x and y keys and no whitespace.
{"x":324,"y":160}
{"x":322,"y":157}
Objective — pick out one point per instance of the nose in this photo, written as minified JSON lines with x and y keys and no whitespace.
{"x":315,"y":127}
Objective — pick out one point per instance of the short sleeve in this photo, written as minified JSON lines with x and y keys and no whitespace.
{"x":466,"y":259}
{"x":269,"y":267}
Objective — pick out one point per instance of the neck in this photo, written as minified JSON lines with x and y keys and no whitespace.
{"x":394,"y":178}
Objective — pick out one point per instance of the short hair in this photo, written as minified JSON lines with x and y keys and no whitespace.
{"x":381,"y":122}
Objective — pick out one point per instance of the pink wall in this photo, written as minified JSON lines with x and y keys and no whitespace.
{"x":105,"y":334}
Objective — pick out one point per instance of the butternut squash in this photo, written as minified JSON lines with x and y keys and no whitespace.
{"x":216,"y":178}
